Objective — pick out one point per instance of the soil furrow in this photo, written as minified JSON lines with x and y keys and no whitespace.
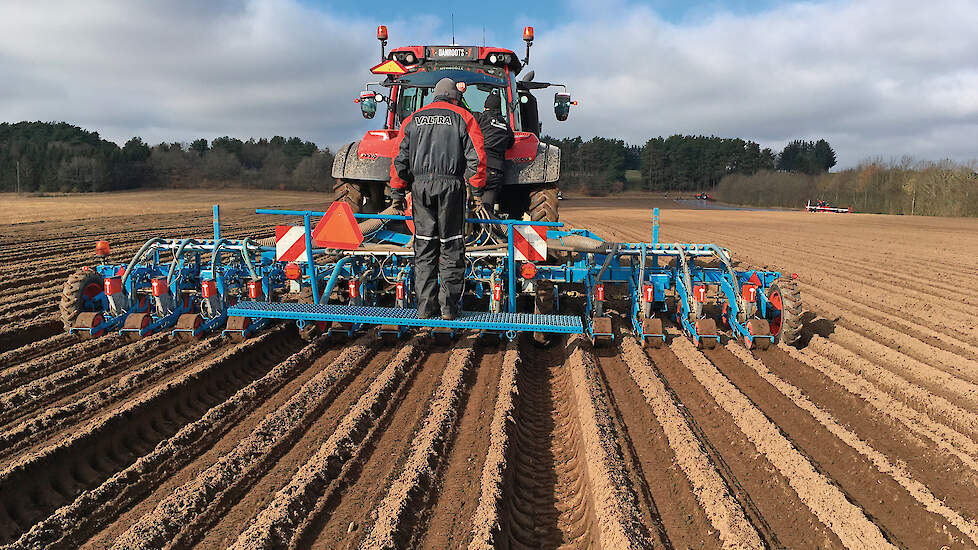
{"x":276,"y":525}
{"x":346,"y":506}
{"x":28,"y":370}
{"x":939,"y":512}
{"x":698,"y":509}
{"x":406,"y":496}
{"x":449,"y":520}
{"x":177,"y":519}
{"x":108,"y":444}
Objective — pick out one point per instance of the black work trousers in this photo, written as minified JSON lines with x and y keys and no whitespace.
{"x":438,"y":207}
{"x":494,"y":184}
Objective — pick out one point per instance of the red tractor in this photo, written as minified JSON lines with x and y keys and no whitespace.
{"x":362,"y":168}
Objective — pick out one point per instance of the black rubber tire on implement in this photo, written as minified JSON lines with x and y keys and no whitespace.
{"x":543,"y":203}
{"x":73,"y":291}
{"x":543,"y":304}
{"x":791,"y":309}
{"x":349,"y":192}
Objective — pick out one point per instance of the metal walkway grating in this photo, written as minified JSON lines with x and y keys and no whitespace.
{"x":476,"y":320}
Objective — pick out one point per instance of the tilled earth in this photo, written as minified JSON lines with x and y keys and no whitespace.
{"x":864,"y":437}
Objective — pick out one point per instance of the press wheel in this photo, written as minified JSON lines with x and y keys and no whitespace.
{"x":135,"y":322}
{"x":652,"y":329}
{"x":707,"y":331}
{"x":191,"y":322}
{"x":89,"y":320}
{"x":238,"y":325}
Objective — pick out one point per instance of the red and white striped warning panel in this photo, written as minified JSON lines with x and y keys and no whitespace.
{"x":290,"y":244}
{"x":530,"y":243}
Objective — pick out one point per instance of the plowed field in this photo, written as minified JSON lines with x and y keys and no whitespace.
{"x":865,"y":436}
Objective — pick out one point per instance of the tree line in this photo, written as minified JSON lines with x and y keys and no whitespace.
{"x":678,"y":162}
{"x":48,"y":157}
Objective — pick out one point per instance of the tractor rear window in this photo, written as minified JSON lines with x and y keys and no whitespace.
{"x":416,"y":88}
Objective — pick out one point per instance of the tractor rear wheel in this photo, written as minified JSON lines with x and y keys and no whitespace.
{"x":784,"y":317}
{"x":349,"y":192}
{"x":365,"y":197}
{"x":543,"y":203}
{"x":81,"y":285}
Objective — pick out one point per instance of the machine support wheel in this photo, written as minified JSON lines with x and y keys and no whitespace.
{"x":80,"y":285}
{"x":543,"y":203}
{"x":188,"y":321}
{"x":137,"y":321}
{"x":543,"y":304}
{"x":349,"y":192}
{"x":758,"y":327}
{"x":707,"y":330}
{"x":784,"y":315}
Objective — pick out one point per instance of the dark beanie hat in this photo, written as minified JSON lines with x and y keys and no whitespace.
{"x":446,"y":88}
{"x":493,"y":102}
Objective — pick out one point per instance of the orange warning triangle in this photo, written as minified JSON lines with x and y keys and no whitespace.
{"x":754,"y":279}
{"x":389,"y":67}
{"x":338,"y":228}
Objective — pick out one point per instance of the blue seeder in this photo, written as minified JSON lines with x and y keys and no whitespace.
{"x":194,"y":286}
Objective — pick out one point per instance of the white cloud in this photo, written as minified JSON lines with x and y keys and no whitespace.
{"x":874,"y":77}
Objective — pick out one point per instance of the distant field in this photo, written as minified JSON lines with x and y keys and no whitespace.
{"x":79,"y":206}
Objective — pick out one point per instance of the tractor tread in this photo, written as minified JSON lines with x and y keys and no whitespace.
{"x":543,"y":203}
{"x":349,"y":192}
{"x":71,"y":294}
{"x":792,"y":310}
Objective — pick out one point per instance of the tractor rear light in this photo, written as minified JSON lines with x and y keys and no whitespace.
{"x":699,"y":293}
{"x":208,"y":288}
{"x":354,"y":289}
{"x":599,"y":292}
{"x":293,"y":271}
{"x":159,"y":287}
{"x":497,"y":292}
{"x":113,"y":285}
{"x":749,"y":293}
{"x":399,"y":290}
{"x":382,"y":32}
{"x":102,"y":248}
{"x":254,"y":290}
{"x":86,"y":268}
{"x":528,"y":271}
{"x":794,"y":275}
{"x":528,"y":34}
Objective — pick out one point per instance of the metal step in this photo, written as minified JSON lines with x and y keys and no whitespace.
{"x":476,"y":320}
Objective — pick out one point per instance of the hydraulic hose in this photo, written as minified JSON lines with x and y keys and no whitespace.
{"x":215,"y":254}
{"x":176,"y":257}
{"x":138,"y":256}
{"x":247,"y":258}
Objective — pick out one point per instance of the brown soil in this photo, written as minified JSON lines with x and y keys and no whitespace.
{"x":865,"y":437}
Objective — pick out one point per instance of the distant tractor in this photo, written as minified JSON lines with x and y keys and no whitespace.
{"x":362,"y":168}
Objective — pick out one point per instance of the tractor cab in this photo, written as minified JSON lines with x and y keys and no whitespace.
{"x":409,"y":75}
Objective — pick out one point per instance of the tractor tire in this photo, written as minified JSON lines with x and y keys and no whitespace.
{"x":543,"y":304}
{"x":349,"y":192}
{"x":784,"y":292}
{"x":80,"y":284}
{"x":543,"y":203}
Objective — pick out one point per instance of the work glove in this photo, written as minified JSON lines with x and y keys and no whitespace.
{"x":399,"y":200}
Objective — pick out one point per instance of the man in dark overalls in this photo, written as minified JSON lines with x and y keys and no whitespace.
{"x":498,"y":137}
{"x":439,"y":148}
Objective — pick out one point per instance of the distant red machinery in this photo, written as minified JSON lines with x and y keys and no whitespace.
{"x":822,"y":206}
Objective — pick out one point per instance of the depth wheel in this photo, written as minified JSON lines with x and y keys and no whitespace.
{"x":89,"y":320}
{"x":82,"y":286}
{"x":543,"y":203}
{"x":238,"y":325}
{"x":784,"y":315}
{"x":191,"y":322}
{"x":654,"y":334}
{"x":136,"y":322}
{"x":758,"y":327}
{"x":707,"y":330}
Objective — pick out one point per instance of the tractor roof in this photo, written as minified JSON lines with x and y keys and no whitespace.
{"x":457,"y":53}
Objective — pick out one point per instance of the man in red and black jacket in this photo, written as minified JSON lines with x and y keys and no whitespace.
{"x":439,"y":149}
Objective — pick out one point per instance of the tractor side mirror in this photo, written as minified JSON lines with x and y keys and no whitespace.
{"x":562,"y":105}
{"x":368,"y":103}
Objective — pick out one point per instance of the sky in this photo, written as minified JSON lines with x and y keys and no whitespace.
{"x":876,"y":78}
